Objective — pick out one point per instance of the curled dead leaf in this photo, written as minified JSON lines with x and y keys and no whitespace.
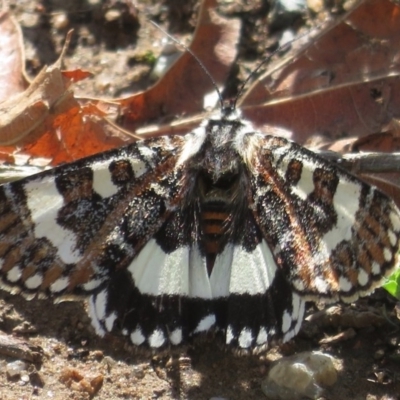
{"x":23,"y":112}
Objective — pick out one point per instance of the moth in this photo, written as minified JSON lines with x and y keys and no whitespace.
{"x":224,"y":229}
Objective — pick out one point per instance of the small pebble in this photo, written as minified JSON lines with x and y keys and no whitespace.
{"x":14,"y":369}
{"x":138,"y":372}
{"x":298,"y":376}
{"x":60,"y":21}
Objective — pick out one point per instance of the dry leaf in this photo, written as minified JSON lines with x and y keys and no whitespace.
{"x":182,"y":89}
{"x":12,"y":77}
{"x":344,"y":83}
{"x":45,"y":120}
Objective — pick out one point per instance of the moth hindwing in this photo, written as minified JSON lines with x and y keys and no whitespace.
{"x":225,"y":228}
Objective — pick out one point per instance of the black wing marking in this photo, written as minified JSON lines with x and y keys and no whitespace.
{"x":64,"y":230}
{"x":333,"y":236}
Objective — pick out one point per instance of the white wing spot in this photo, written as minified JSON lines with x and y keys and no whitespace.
{"x":296,"y":306}
{"x":60,"y":284}
{"x":175,"y":336}
{"x":245,"y":338}
{"x":92,"y":284}
{"x":321,"y":285}
{"x":44,"y":201}
{"x":395,"y":220}
{"x":392,"y":237}
{"x":362,"y":277}
{"x":34,"y":281}
{"x":95,"y":321}
{"x":139,"y":167}
{"x":376,"y":268}
{"x":286,"y":321}
{"x":387,"y":254}
{"x":199,"y":282}
{"x":14,"y":274}
{"x":109,"y":322}
{"x":221,"y":273}
{"x":229,"y":335}
{"x":156,"y":272}
{"x":300,"y":317}
{"x":305,"y":185}
{"x":252,"y":273}
{"x":346,"y":206}
{"x":262,"y":336}
{"x":102,"y":183}
{"x":344,"y":284}
{"x":157,"y":338}
{"x":101,"y":302}
{"x":137,"y":337}
{"x":146,"y":152}
{"x":205,"y":324}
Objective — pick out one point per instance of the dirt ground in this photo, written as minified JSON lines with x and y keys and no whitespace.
{"x":364,"y":338}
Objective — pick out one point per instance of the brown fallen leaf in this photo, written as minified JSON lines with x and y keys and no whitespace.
{"x":385,"y":142}
{"x":44,"y":120}
{"x":344,"y":83}
{"x":24,"y":111}
{"x":181,"y":91}
{"x":47,"y":121}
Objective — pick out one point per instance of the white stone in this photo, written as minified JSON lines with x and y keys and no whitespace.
{"x":302,"y":375}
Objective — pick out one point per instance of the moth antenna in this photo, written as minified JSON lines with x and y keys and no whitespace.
{"x":267,"y":59}
{"x":202,"y":66}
